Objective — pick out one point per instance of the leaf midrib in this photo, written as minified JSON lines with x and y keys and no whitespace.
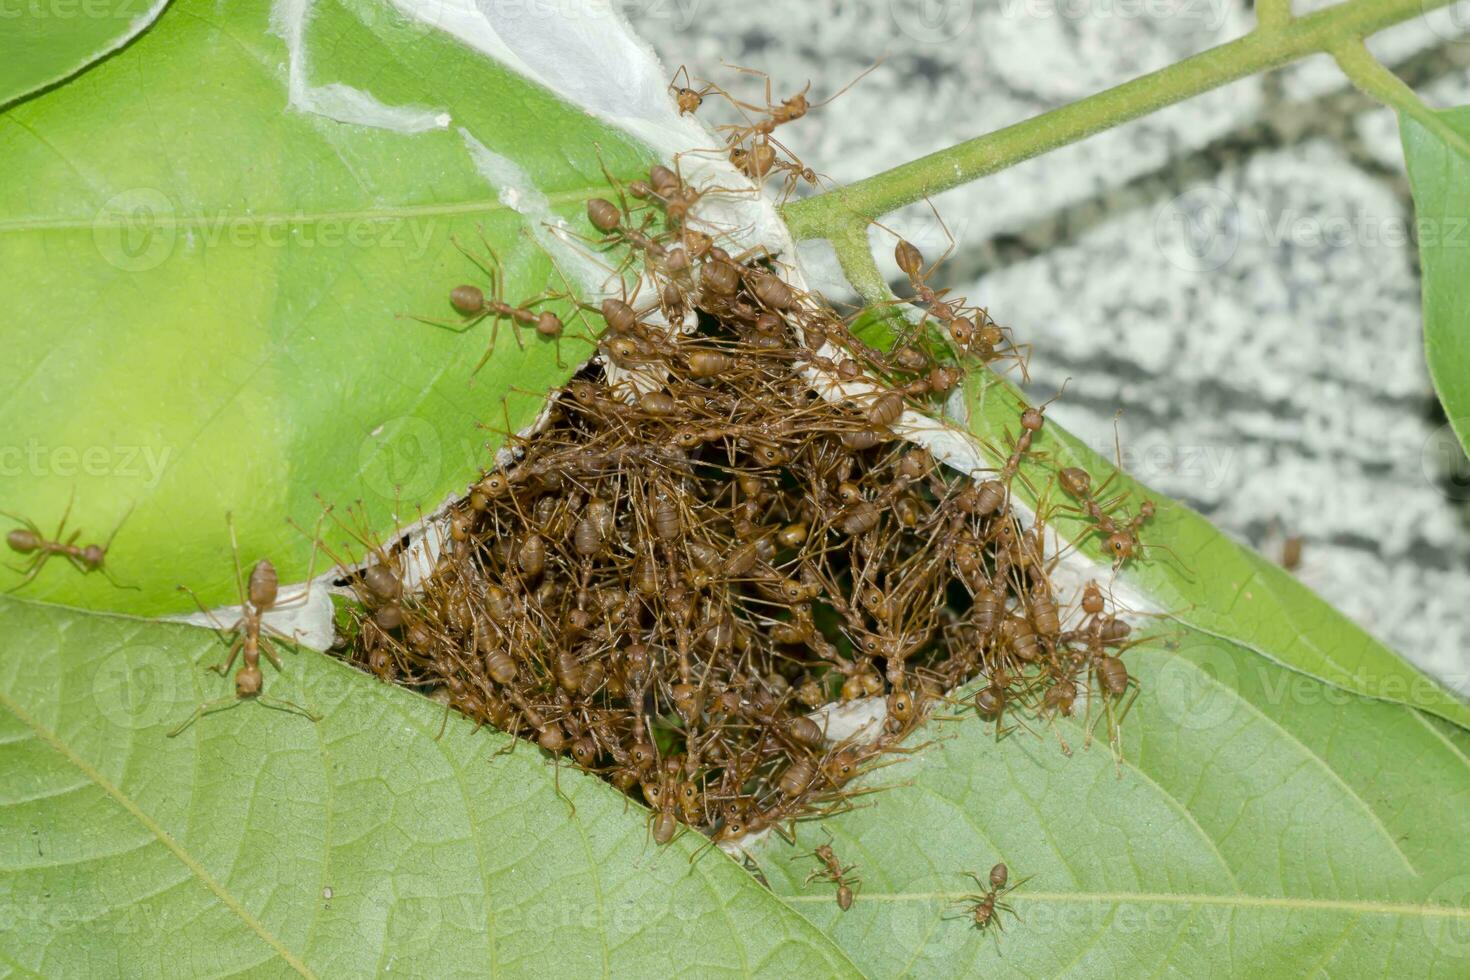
{"x":1166,"y":898}
{"x":21,"y":225}
{"x":166,"y":839}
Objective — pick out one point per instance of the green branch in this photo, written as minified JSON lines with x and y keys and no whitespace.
{"x":1271,"y":14}
{"x":1275,"y":43}
{"x":1377,"y":82}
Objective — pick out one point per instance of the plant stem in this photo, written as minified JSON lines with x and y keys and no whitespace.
{"x":1377,"y":82}
{"x":855,"y":256}
{"x":1271,"y":14}
{"x":1271,"y":45}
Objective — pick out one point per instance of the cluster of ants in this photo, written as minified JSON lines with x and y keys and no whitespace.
{"x":703,"y":553}
{"x":699,"y":555}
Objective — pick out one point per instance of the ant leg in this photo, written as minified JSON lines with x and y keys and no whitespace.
{"x":458,"y":326}
{"x":235,"y":649}
{"x":612,"y":181}
{"x":316,"y":543}
{"x":219,"y":627}
{"x":861,"y":75}
{"x":746,"y":105}
{"x":206,"y":708}
{"x":235,"y":554}
{"x":556,"y":783}
{"x":489,"y":272}
{"x":65,"y":514}
{"x":942,"y":227}
{"x":268,"y":648}
{"x":281,"y":704}
{"x":35,"y":569}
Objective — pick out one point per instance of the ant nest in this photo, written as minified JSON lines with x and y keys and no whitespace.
{"x":699,"y":565}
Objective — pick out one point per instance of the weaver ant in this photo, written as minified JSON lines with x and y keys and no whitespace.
{"x":984,"y":907}
{"x":834,"y":871}
{"x":252,"y":635}
{"x":777,"y":114}
{"x":686,"y":96}
{"x":28,"y":539}
{"x":474,"y":305}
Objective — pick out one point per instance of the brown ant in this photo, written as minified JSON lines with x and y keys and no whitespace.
{"x":686,"y":96}
{"x":29,"y":540}
{"x":984,"y":907}
{"x":259,"y":599}
{"x":777,"y":114}
{"x":833,"y":870}
{"x":474,"y":305}
{"x":1120,"y":536}
{"x":970,"y":328}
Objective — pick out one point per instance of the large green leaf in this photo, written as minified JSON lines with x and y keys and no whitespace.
{"x":202,"y":285}
{"x":1438,"y":155}
{"x":44,"y":41}
{"x":1262,"y":824}
{"x":258,"y":841}
{"x":1200,"y":578}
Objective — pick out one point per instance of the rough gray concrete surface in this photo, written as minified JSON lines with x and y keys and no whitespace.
{"x":1231,"y":274}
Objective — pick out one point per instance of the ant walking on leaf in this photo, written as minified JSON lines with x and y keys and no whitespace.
{"x":833,"y":870}
{"x":253,"y":636}
{"x":983,"y":908}
{"x":28,"y":539}
{"x":474,"y":305}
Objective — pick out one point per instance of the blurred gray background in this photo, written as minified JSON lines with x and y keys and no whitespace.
{"x":1235,"y":274}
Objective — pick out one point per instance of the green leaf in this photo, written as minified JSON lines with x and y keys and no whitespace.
{"x":45,"y":41}
{"x":1438,"y":155}
{"x":203,"y":288}
{"x":1201,"y":579}
{"x":357,"y":845}
{"x":1262,"y":824}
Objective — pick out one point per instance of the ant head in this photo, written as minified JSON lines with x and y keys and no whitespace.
{"x":1120,"y":543}
{"x":247,"y":681}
